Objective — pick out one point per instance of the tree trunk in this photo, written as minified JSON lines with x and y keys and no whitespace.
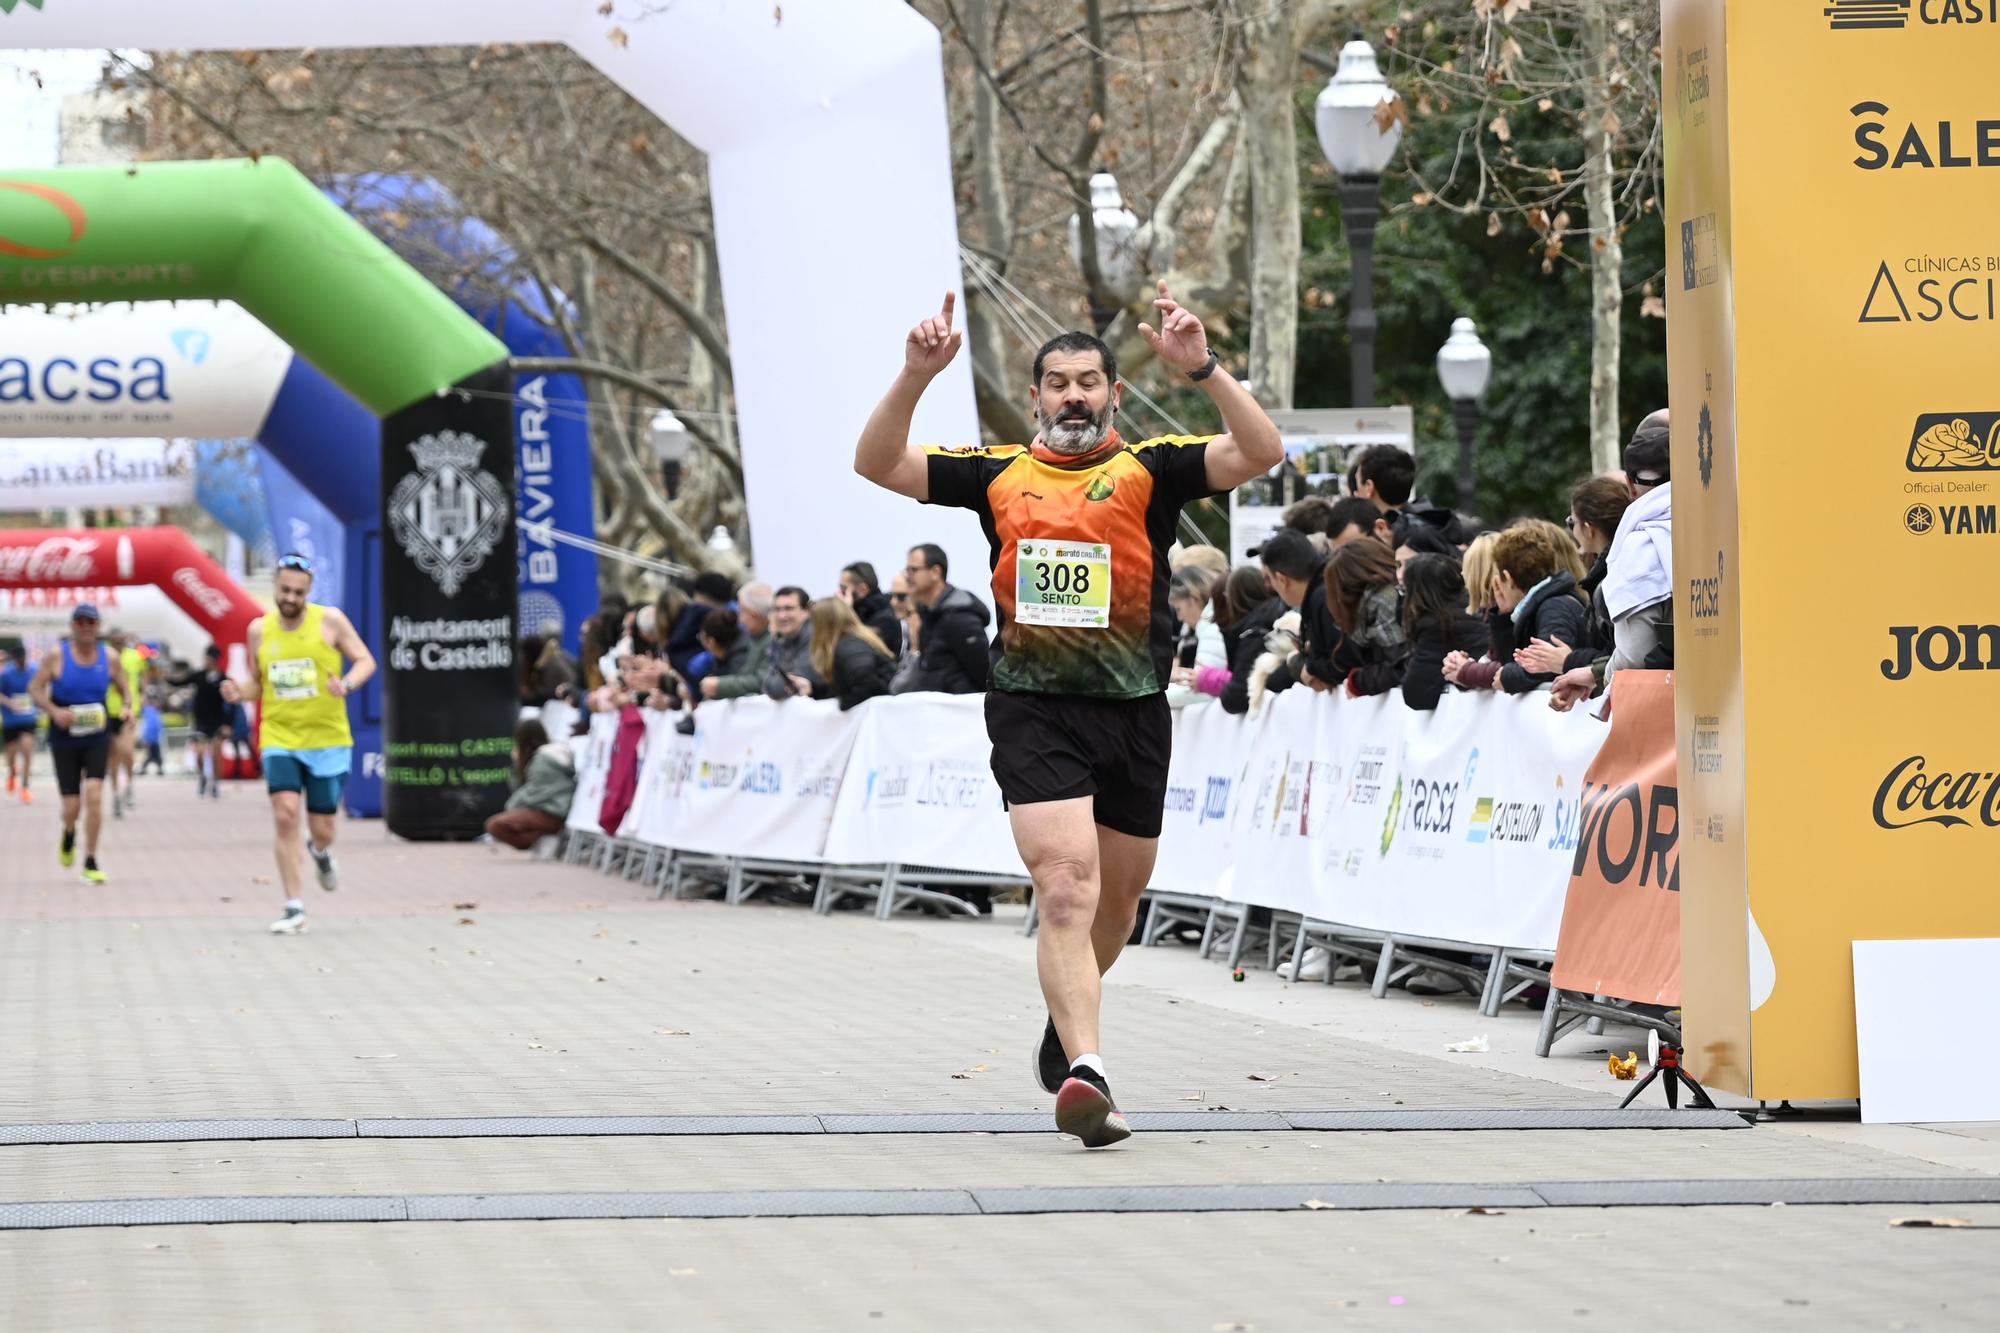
{"x":1264,"y":77}
{"x":991,"y":233}
{"x":1607,"y":260}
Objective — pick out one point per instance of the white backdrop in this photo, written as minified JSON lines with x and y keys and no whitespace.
{"x":100,"y":370}
{"x":830,"y":168}
{"x":1459,"y":824}
{"x":48,"y":474}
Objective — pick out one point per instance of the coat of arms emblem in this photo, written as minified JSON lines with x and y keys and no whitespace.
{"x":449,"y":514}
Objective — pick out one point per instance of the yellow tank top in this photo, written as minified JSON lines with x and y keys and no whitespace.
{"x":297,"y":665}
{"x":128,"y":672}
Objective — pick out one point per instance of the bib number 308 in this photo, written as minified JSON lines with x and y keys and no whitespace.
{"x":1063,"y":583}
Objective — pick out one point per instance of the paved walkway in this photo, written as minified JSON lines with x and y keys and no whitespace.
{"x":460,"y":981}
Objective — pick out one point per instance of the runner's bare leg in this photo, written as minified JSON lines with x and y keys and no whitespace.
{"x":321,"y":827}
{"x":286,"y":807}
{"x":1058,"y":843}
{"x":93,"y":813}
{"x":1125,"y":868}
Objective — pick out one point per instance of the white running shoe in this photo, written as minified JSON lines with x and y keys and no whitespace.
{"x":117,"y":804}
{"x":329,"y":873}
{"x":1312,"y":967}
{"x":293,"y":922}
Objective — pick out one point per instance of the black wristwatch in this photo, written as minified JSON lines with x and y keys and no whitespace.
{"x":1207,"y":367}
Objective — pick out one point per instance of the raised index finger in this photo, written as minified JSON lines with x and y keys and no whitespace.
{"x":950,"y":300}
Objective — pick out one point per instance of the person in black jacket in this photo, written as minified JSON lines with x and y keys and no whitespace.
{"x":1296,"y":570}
{"x":1595,"y":507}
{"x":953,"y":654}
{"x":1245,"y":610}
{"x":1535,"y":592}
{"x":1438,"y":624}
{"x":1362,"y":594}
{"x":860,"y":589}
{"x":851,"y":658}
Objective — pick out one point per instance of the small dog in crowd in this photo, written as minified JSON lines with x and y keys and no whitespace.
{"x":1279,"y":646}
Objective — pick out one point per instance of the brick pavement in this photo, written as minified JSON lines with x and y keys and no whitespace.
{"x":563,"y":992}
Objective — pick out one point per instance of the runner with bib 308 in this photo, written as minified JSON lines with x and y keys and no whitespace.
{"x":1079,"y":522}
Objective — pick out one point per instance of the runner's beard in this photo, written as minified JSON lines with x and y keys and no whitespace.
{"x":1073,"y":436}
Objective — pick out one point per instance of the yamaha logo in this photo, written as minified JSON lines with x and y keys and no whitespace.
{"x":450,"y":513}
{"x":1918,"y":519}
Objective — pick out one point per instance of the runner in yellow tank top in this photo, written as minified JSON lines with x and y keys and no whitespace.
{"x":297,"y":652}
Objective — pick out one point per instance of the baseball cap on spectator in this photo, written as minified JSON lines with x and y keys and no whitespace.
{"x":1647,"y":460}
{"x":85,"y":611}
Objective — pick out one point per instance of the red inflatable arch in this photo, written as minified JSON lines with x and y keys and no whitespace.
{"x":97,"y":557}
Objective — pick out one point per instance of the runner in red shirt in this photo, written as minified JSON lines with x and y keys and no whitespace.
{"x":1079,"y":521}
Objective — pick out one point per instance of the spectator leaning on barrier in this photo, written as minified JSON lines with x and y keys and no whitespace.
{"x":1361,"y":592}
{"x":1638,"y":586}
{"x":712,"y":592}
{"x":904,"y":606}
{"x":1438,"y":623}
{"x":790,"y":671}
{"x":544,"y":786}
{"x":1595,"y":506}
{"x":1535,"y":594}
{"x":547,"y":672}
{"x":953,"y":654}
{"x":851,"y":658}
{"x":1413,"y":538}
{"x":753,"y":613}
{"x":862,"y":590}
{"x":1385,"y":475}
{"x":1295,"y":568}
{"x":1201,"y":648}
{"x":1308,"y":515}
{"x":1245,"y":610}
{"x":600,"y":634}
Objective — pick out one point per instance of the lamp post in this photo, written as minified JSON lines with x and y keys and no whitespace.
{"x":1464,"y":366}
{"x":671,"y":445}
{"x":1359,"y":131}
{"x":1118,"y":267}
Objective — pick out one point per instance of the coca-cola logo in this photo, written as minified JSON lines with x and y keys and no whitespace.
{"x":54,"y":560}
{"x":1913,"y":795}
{"x":210,"y":599}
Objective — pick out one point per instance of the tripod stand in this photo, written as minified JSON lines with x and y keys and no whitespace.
{"x":1669,"y":1064}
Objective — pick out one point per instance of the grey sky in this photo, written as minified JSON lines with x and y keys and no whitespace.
{"x":28,"y":114}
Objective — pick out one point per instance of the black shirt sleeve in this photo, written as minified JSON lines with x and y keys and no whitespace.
{"x":1181,"y":464}
{"x":958,"y":477}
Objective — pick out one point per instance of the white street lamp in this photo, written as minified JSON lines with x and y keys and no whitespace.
{"x":1360,"y":127}
{"x":671,"y":445}
{"x":1464,"y":366}
{"x":1118,"y":264}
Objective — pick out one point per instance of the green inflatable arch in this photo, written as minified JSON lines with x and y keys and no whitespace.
{"x":259,"y":233}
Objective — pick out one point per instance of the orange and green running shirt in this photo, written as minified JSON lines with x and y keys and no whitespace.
{"x":1079,"y":557}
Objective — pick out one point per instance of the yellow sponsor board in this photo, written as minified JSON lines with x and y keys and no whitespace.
{"x":1833,"y":315}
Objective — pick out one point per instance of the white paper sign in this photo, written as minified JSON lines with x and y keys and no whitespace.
{"x":1923,"y":1018}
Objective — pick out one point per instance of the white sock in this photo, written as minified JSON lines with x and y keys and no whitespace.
{"x":295,"y":905}
{"x":1093,"y":1062}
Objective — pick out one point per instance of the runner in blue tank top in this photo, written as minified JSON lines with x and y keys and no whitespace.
{"x":18,"y":718}
{"x":71,"y":688}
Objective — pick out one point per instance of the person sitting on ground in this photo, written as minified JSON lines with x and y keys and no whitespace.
{"x":853,"y":663}
{"x":1245,"y":611}
{"x":753,"y":613}
{"x":862,"y":590}
{"x":953,"y":653}
{"x":544,"y":785}
{"x":1439,"y":623}
{"x":1534,"y":589}
{"x":790,"y":671}
{"x":1201,"y":647}
{"x":1361,"y":590}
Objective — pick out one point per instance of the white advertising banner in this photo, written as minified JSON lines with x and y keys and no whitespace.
{"x":921,"y":791}
{"x":169,"y":369}
{"x":757,"y":779}
{"x":593,"y":766}
{"x":1211,"y":749}
{"x":40,"y":616}
{"x":55,"y":473}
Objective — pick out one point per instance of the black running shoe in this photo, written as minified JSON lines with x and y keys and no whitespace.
{"x":1084,"y":1108}
{"x":1051,"y":1065}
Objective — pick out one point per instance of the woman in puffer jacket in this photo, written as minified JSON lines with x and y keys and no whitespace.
{"x":1535,"y":594}
{"x":1363,"y":595}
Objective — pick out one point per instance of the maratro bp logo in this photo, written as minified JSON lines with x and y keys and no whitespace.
{"x":22,"y":226}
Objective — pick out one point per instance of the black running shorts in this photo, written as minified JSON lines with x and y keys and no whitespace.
{"x":76,"y":761}
{"x":1055,"y":747}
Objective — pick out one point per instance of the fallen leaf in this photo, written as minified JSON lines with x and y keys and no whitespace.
{"x":618,"y":38}
{"x":1932,"y":1222}
{"x":674,"y":1032}
{"x":1483,"y":1212}
{"x":535,"y":1046}
{"x":464,"y":907}
{"x":1471,"y":1046}
{"x":467,"y":921}
{"x":1317,"y":1204}
{"x":1625,"y":1069}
